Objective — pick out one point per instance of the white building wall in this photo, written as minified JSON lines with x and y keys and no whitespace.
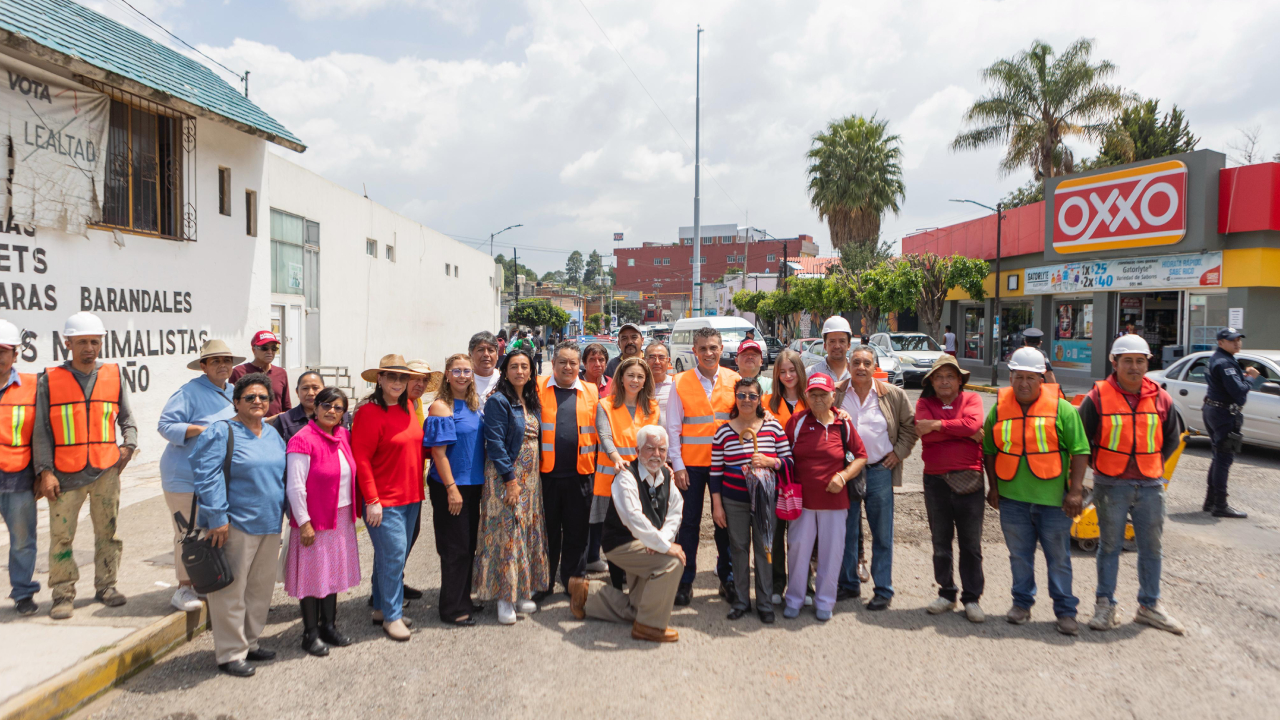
{"x":370,"y":306}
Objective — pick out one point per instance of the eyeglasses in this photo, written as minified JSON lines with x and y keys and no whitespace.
{"x":256,"y":398}
{"x":460,"y":372}
{"x":327,"y":406}
{"x":748,"y":396}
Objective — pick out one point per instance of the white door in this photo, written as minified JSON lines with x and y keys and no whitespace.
{"x":292,"y":341}
{"x":1189,"y":393}
{"x":1262,"y":411}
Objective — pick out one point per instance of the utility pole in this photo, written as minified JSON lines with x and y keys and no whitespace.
{"x":696,"y":294}
{"x":515,"y":272}
{"x":995,"y":359}
{"x":491,"y":235}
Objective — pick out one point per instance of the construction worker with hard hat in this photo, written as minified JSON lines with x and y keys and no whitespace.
{"x":1036,"y":452}
{"x":84,"y":436}
{"x":700,"y":402}
{"x":1133,"y":428}
{"x":17,"y":479}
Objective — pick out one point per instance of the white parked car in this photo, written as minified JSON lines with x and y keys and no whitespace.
{"x":1185,"y":382}
{"x":733,"y":330}
{"x":916,"y":352}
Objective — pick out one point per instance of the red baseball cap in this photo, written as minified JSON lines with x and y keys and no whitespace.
{"x":264,"y":337}
{"x":819,"y":381}
{"x":746,"y":345}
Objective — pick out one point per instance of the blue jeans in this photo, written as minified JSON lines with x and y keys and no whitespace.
{"x":1115,"y":503}
{"x":390,"y":550}
{"x":19,"y":511}
{"x":1024,"y":524}
{"x":880,"y":519}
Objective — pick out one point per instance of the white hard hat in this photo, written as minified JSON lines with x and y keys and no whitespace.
{"x":1126,"y":344}
{"x":83,"y":323}
{"x":835,"y":323}
{"x":1027,"y":359}
{"x":10,"y":334}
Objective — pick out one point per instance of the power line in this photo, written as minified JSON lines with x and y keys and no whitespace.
{"x":655,"y":102}
{"x":184,"y":42}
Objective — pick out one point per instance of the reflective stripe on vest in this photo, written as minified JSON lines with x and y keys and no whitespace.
{"x":702,"y":415}
{"x":1033,"y":435}
{"x":17,"y":418}
{"x":585,"y":421}
{"x":1127,"y":432}
{"x":624,"y":428}
{"x":84,"y":430}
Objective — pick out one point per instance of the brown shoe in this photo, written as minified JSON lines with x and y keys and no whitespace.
{"x":397,"y":630}
{"x":653,"y":634}
{"x":578,"y":597}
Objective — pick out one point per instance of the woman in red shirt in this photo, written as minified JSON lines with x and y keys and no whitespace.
{"x":828,"y":454}
{"x":949,"y":423}
{"x":386,"y":440}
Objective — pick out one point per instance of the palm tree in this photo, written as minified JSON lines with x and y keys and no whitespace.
{"x":855,"y":174}
{"x":1038,"y":100}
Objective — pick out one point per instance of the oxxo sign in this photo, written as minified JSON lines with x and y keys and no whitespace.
{"x":1136,"y":207}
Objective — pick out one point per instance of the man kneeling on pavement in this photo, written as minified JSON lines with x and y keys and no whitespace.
{"x":639,"y":537}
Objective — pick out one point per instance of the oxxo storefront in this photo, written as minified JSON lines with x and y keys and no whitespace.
{"x":1171,"y":249}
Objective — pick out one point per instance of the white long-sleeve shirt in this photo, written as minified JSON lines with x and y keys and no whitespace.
{"x":675,"y":416}
{"x":626,"y":499}
{"x":296,"y":468}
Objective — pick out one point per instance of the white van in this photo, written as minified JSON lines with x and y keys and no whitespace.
{"x":733,"y":330}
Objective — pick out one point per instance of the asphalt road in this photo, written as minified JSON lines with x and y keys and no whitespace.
{"x":1220,"y":579}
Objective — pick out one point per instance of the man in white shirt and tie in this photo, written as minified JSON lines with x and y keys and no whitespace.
{"x":639,"y":537}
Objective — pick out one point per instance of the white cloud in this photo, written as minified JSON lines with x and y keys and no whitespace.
{"x":457,"y":12}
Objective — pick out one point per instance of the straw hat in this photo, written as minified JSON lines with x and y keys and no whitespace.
{"x":389,"y":363}
{"x":434,"y":377}
{"x":213,"y":348}
{"x":926,"y":384}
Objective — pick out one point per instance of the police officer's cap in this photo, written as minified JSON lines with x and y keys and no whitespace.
{"x":1229,"y":333}
{"x":1033,"y":332}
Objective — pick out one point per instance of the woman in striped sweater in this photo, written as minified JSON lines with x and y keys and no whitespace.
{"x":750,"y":438}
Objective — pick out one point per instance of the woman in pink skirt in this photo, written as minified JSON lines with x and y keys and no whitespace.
{"x":323,"y":558}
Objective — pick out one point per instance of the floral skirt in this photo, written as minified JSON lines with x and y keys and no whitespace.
{"x":331,"y":565}
{"x":511,"y":553}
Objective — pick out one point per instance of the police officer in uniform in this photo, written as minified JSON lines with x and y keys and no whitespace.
{"x":1229,"y":386}
{"x":1032,"y":337}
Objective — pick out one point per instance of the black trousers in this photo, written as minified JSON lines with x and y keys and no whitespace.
{"x":960,"y":517}
{"x":456,"y":546}
{"x":691,"y":528}
{"x":1219,"y":422}
{"x":566,"y":505}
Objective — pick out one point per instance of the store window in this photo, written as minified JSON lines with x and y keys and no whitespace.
{"x":1154,"y":316}
{"x":975,"y":333}
{"x":1072,"y":334}
{"x":1207,"y":314}
{"x":1014,"y":318}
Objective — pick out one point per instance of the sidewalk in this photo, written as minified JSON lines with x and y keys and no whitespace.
{"x":40,"y":648}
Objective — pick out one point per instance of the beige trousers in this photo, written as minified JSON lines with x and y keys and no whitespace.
{"x":653,"y":580}
{"x":179,"y":503}
{"x":103,"y":495}
{"x":238,"y":612}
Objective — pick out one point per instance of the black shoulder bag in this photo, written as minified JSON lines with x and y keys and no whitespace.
{"x":857,"y":487}
{"x":206,"y":565}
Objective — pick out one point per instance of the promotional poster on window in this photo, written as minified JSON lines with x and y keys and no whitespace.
{"x":1168,"y":271}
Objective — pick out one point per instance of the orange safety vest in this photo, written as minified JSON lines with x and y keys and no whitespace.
{"x":1126,"y":432}
{"x":703,"y":416}
{"x":1033,"y":434}
{"x":588,"y":396}
{"x":624,"y":429}
{"x":84,"y":431}
{"x":783,"y":414}
{"x":17,"y":417}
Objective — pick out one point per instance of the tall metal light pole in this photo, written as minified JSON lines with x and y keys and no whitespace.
{"x":997,"y":331}
{"x":695,"y":296}
{"x":493,"y":235}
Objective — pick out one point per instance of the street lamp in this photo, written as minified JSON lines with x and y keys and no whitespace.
{"x":995,"y":321}
{"x":493,"y":235}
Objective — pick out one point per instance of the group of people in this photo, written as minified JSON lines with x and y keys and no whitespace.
{"x":599,"y":466}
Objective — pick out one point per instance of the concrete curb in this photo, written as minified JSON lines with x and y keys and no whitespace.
{"x":77,"y":685}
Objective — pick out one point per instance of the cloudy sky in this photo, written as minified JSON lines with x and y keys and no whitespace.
{"x":471,"y":116}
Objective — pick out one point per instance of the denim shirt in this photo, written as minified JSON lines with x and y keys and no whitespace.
{"x":503,"y":434}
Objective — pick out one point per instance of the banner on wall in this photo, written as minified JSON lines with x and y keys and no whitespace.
{"x":1155,"y":273}
{"x":57,"y":141}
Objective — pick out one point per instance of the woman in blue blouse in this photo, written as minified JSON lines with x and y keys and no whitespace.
{"x":455,"y":484}
{"x":242,"y":514}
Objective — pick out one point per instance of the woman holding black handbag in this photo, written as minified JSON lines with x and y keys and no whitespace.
{"x":242,"y":511}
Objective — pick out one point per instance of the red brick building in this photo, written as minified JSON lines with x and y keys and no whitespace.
{"x":723,"y":247}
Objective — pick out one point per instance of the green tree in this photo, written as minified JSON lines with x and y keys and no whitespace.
{"x":573,"y":269}
{"x":594,"y":271}
{"x":510,"y":270}
{"x":629,"y":312}
{"x":1141,"y":133}
{"x":855,"y":175}
{"x":1038,"y":100}
{"x":927,"y":278}
{"x":1032,"y":192}
{"x":538,"y":312}
{"x":596,"y":324}
{"x":749,"y":300}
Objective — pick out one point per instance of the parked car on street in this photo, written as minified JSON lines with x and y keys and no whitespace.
{"x":774,"y":346}
{"x":916,"y":352}
{"x":1186,"y":384}
{"x":733,"y":330}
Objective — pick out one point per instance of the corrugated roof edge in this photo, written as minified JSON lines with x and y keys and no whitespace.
{"x":24,"y":44}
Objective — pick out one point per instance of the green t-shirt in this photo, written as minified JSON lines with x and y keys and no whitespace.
{"x":1025,"y":486}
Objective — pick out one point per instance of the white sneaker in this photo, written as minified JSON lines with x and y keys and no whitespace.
{"x":777,"y":599}
{"x":598,"y":566}
{"x":185,"y":599}
{"x":527,"y":607}
{"x":1157,"y":617}
{"x":1105,"y":615}
{"x":973,"y":611}
{"x":506,"y":613}
{"x":941,"y":605}
{"x":808,"y":601}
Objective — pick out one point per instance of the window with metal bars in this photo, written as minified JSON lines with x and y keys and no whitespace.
{"x":146,"y":162}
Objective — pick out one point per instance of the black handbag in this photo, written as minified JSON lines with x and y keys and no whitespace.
{"x":206,"y":565}
{"x":857,"y":487}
